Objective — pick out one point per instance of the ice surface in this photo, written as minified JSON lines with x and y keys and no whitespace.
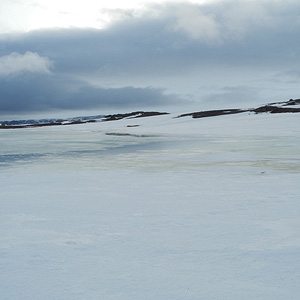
{"x":172,"y":209}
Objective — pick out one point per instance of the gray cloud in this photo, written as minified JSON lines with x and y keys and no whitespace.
{"x":179,"y":34}
{"x":171,"y":46}
{"x":48,"y":92}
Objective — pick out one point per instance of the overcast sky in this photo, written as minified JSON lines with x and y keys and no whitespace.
{"x":65,"y":56}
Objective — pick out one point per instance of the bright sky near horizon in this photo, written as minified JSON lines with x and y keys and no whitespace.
{"x":20,"y":15}
{"x":146,"y":54}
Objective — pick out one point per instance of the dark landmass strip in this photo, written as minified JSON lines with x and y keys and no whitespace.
{"x":78,"y":120}
{"x":276,"y":110}
{"x":269,"y":108}
{"x":5,"y":125}
{"x":133,"y":115}
{"x":273,"y":108}
{"x":212,"y":113}
{"x":287,"y":103}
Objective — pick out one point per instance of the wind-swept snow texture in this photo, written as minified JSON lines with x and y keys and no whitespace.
{"x":172,"y":209}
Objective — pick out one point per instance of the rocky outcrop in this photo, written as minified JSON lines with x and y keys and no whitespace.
{"x":133,"y":115}
{"x":290,"y":106}
{"x":287,"y":103}
{"x":79,"y":120}
{"x":212,"y":113}
{"x":273,"y":108}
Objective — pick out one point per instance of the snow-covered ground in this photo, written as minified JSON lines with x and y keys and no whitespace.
{"x":175,"y":209}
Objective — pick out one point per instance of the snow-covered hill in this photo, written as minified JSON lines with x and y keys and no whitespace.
{"x":291,"y":106}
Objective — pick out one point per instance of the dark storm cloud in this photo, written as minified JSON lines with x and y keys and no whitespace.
{"x":169,"y":40}
{"x":47,"y":92}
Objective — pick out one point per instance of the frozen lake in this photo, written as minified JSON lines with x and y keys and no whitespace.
{"x":172,"y":209}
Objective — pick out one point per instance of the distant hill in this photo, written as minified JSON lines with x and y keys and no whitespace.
{"x":290,"y":106}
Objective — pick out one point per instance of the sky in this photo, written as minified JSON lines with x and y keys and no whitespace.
{"x":64,"y":57}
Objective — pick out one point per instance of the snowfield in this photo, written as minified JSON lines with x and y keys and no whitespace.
{"x":172,"y":209}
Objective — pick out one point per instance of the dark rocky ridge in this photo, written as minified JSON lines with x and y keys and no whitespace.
{"x":133,"y":115}
{"x":287,"y":103}
{"x":77,"y":120}
{"x":273,"y":108}
{"x":212,"y":113}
